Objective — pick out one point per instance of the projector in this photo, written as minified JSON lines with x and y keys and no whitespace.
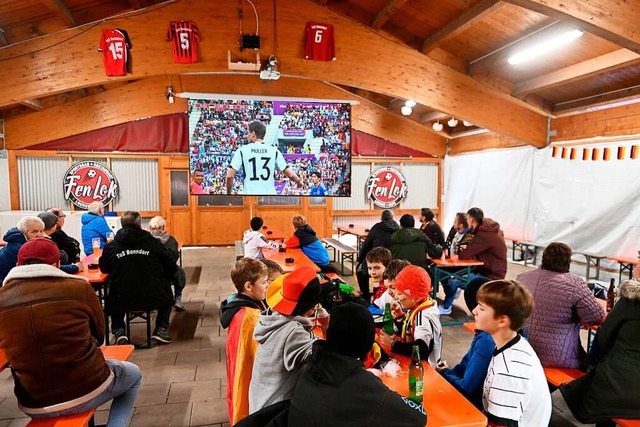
{"x":271,"y":69}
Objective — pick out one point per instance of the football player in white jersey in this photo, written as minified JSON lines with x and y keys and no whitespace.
{"x":259,"y":161}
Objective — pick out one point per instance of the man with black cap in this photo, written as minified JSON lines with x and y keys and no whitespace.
{"x":51,"y":326}
{"x":336,"y":390}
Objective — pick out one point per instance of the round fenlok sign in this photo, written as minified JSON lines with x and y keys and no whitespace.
{"x":386,"y":187}
{"x":89,"y":181}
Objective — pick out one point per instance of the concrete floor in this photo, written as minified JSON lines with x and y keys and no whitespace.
{"x":184,"y":383}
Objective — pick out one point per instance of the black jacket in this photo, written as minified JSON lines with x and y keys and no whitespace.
{"x":337,"y":391}
{"x":379,"y":235}
{"x":140,"y":269}
{"x":68,"y":244}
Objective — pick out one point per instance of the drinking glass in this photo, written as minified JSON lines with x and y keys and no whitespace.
{"x":110,"y":236}
{"x":96,"y":248}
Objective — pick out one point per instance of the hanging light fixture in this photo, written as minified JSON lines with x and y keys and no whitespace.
{"x":406,"y":110}
{"x":410,"y":103}
{"x":453,"y":122}
{"x":437,"y":126}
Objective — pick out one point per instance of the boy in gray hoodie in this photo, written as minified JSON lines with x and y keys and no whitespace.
{"x":285,"y":337}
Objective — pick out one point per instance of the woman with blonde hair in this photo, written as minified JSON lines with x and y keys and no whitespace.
{"x":156,"y":228}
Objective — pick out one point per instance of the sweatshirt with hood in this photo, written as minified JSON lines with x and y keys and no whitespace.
{"x":488,"y":246}
{"x":305,"y":238}
{"x":379,"y":235}
{"x":285,"y":347}
{"x":9,"y":253}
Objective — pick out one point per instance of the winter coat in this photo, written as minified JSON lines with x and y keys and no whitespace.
{"x":93,"y":226}
{"x":180,"y":278}
{"x":68,"y":244}
{"x":239,"y":314}
{"x":9,"y":253}
{"x":305,"y":238}
{"x":413,"y":245}
{"x":51,"y":326}
{"x":379,"y":235}
{"x":561,"y":302}
{"x":284,"y":348}
{"x":611,"y":386}
{"x":338,"y":391}
{"x":488,"y":246}
{"x":433,"y":232}
{"x":140,"y":269}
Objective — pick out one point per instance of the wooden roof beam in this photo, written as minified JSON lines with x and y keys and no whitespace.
{"x":461,"y":23}
{"x":610,"y":20}
{"x":33,"y":103}
{"x":135,"y":4}
{"x":387,"y":12}
{"x":61,"y":11}
{"x":436,"y":115}
{"x":603,"y":101}
{"x":599,"y":65}
{"x":3,"y":38}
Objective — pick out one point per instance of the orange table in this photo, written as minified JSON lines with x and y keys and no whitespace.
{"x":470,"y":326}
{"x":626,"y":264}
{"x":276,"y":234}
{"x":442,"y":266}
{"x":300,"y":259}
{"x":444,"y":404}
{"x":94,"y":276}
{"x":357,"y":230}
{"x":3,"y":361}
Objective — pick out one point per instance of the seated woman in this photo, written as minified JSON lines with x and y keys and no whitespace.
{"x":562,"y":301}
{"x":610,"y":389}
{"x":179,"y":281}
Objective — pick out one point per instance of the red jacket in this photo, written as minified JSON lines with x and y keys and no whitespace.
{"x":488,"y":246}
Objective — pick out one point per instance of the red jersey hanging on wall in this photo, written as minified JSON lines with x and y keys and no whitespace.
{"x":115,"y":45}
{"x":319,"y":45}
{"x":185,"y":37}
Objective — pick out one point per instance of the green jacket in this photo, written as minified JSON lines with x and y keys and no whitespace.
{"x":413,"y":245}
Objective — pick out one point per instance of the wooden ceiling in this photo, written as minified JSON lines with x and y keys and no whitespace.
{"x":473,"y":38}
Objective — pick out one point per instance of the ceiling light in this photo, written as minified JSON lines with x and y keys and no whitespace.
{"x":545,"y":46}
{"x":406,"y":110}
{"x":466,"y":123}
{"x":410,"y":103}
{"x":453,"y":122}
{"x":437,"y":126}
{"x":170,"y":95}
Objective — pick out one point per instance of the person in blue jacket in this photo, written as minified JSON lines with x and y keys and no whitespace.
{"x":94,"y":226}
{"x":468,"y":375}
{"x":305,"y":238}
{"x":29,"y":227}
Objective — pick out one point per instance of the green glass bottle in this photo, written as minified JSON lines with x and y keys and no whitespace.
{"x":387,"y":320}
{"x":416,"y":376}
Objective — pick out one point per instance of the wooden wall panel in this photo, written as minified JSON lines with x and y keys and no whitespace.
{"x":220,"y":226}
{"x":383,"y":66}
{"x":483,"y":141}
{"x":179,"y":223}
{"x":619,"y":121}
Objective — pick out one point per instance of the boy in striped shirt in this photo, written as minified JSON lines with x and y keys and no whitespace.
{"x":515,"y":390}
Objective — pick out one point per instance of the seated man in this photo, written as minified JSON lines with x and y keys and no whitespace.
{"x":65,"y":242}
{"x":412,"y":244}
{"x":51,"y":325}
{"x":140,"y":272}
{"x":336,"y":389}
{"x":94,"y":226}
{"x":50,"y":224}
{"x":29,"y":227}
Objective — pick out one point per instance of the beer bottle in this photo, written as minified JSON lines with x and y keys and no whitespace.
{"x":447,"y":253}
{"x":416,"y":376}
{"x":611,"y":295}
{"x":387,"y":320}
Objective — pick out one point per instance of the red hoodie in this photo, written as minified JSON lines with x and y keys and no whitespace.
{"x":488,"y":246}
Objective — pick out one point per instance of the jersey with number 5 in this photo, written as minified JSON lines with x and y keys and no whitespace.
{"x":115,"y":45}
{"x":259,"y":162}
{"x":184,"y":35}
{"x":319,"y":44}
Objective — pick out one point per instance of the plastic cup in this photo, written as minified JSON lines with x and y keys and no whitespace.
{"x":96,"y":248}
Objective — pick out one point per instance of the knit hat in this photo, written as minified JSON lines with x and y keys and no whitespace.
{"x":49,"y":219}
{"x":351,"y":330}
{"x":295,"y":293}
{"x":414,"y":282}
{"x":38,"y":251}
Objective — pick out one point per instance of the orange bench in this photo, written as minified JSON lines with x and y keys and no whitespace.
{"x":115,"y":352}
{"x":3,"y":361}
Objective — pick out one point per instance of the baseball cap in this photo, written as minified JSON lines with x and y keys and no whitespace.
{"x":38,"y":251}
{"x":295,"y":293}
{"x":414,"y":282}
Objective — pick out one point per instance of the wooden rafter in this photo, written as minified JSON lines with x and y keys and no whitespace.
{"x":387,"y":12}
{"x":461,"y":23}
{"x":601,"y":64}
{"x":395,"y":104}
{"x":61,"y":11}
{"x":436,"y":115}
{"x":598,"y":102}
{"x":135,"y":4}
{"x":610,"y":20}
{"x":33,"y":103}
{"x":3,"y":38}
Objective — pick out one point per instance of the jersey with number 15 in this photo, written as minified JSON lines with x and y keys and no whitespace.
{"x":259,"y":161}
{"x":184,"y":35}
{"x":115,"y":45}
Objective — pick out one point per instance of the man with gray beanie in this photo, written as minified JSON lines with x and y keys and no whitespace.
{"x":50,"y":221}
{"x":324,"y":395}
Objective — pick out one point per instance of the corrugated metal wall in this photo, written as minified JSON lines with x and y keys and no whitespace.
{"x":138,"y":180}
{"x":40,"y":182}
{"x":422,"y":179}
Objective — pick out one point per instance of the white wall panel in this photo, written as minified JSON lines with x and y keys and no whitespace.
{"x":422,"y":179}
{"x":357,"y":201}
{"x":138,"y":181}
{"x":40,"y":182}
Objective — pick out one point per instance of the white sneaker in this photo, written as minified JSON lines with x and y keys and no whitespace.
{"x":444,"y":311}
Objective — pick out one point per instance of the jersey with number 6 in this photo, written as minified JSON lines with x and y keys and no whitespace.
{"x":115,"y":46}
{"x":184,"y":35}
{"x":259,"y":162}
{"x":319,"y":44}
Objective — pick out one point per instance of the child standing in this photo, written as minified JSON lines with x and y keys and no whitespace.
{"x":254,"y":240}
{"x":285,"y":335}
{"x":393,"y":269}
{"x":305,"y":238}
{"x":515,"y":390}
{"x":377,"y":261}
{"x":239,"y":313}
{"x":421,"y":325}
